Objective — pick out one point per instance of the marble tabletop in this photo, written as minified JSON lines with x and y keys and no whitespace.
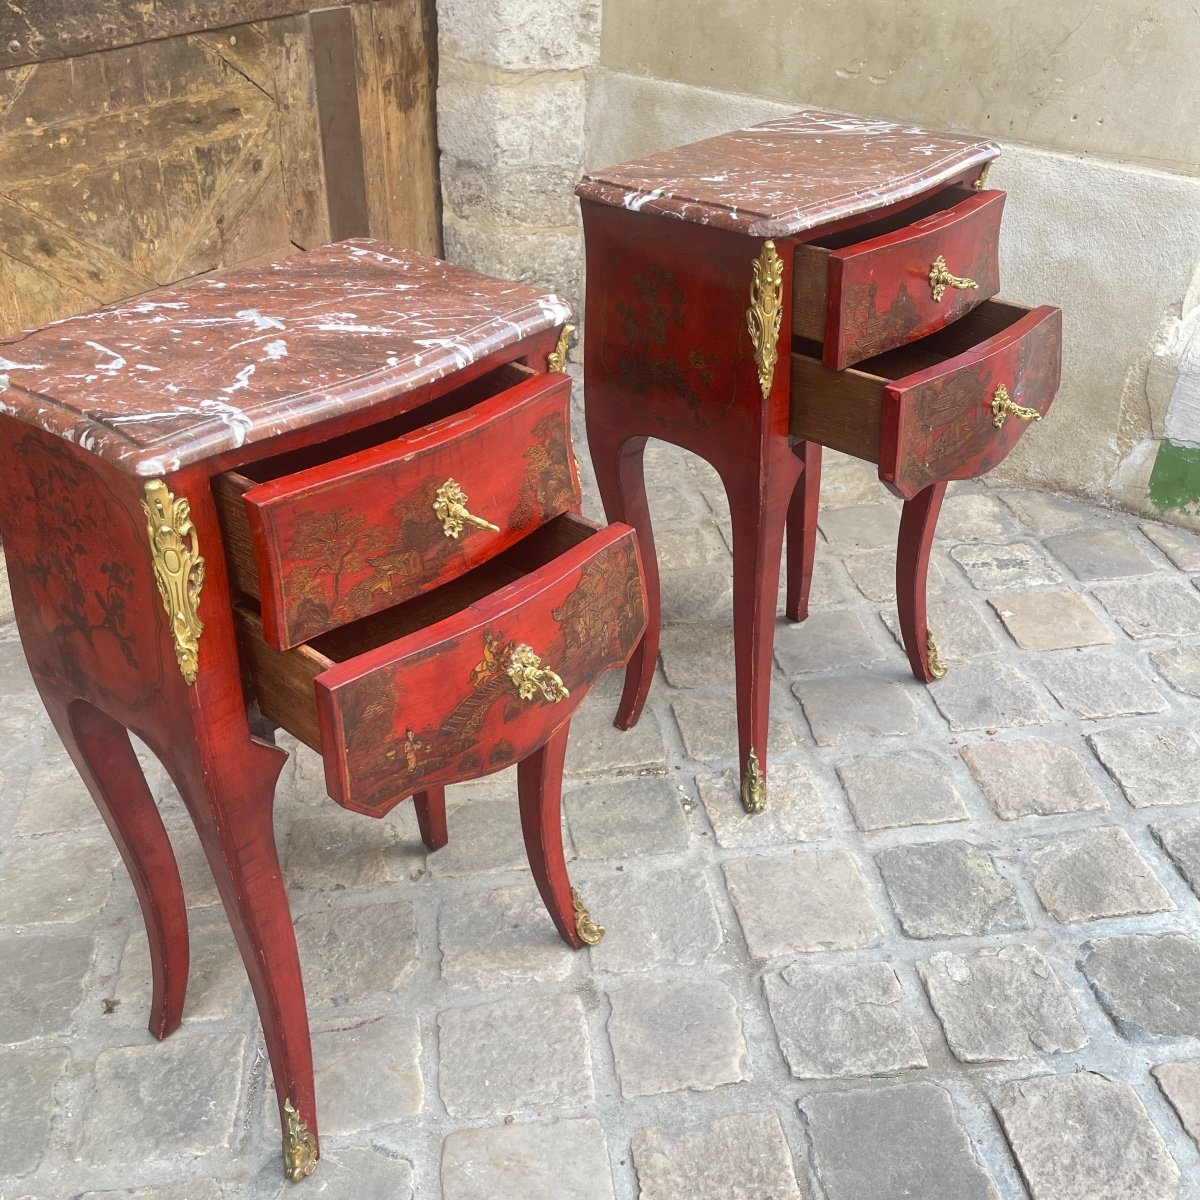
{"x":193,"y":370}
{"x":785,"y":176}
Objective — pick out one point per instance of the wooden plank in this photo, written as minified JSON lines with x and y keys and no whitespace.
{"x":42,"y":30}
{"x":341,"y":135}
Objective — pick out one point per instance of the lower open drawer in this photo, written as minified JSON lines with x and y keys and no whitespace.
{"x":463,"y":680}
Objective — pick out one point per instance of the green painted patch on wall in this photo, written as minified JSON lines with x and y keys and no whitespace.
{"x":1175,"y":479}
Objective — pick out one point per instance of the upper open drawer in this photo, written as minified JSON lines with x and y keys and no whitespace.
{"x":870,"y":289}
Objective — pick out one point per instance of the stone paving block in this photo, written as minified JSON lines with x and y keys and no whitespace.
{"x":697,"y":594}
{"x":1081,"y":1136}
{"x":1024,"y":777}
{"x":842,"y":1022}
{"x":826,"y":641}
{"x":595,"y":747}
{"x":1100,"y":685}
{"x":485,"y":836}
{"x":41,"y":984}
{"x":795,"y":811}
{"x":1050,"y":620}
{"x":944,"y":889}
{"x":356,"y":955}
{"x":176,"y":1098}
{"x":521,"y":944}
{"x":695,"y":543}
{"x":201,"y":1189}
{"x":889,"y":791}
{"x":1147,"y":984}
{"x":1181,"y":840}
{"x":799,"y":902}
{"x":1180,"y":1083}
{"x":56,"y":801}
{"x":27,"y":1106}
{"x":682,"y":1034}
{"x":343,"y":1174}
{"x":630,"y":817}
{"x":514,"y":1056}
{"x":709,"y":729}
{"x":846,"y":481}
{"x":695,"y":656}
{"x":1100,"y":554}
{"x":1154,"y":764}
{"x":743,"y":1157}
{"x":894,"y":1142}
{"x":1180,"y":667}
{"x":663,"y":918}
{"x":368,"y":1073}
{"x":987,"y":695}
{"x":1181,"y":546}
{"x":1001,"y":1004}
{"x":874,"y":574}
{"x":830,"y":584}
{"x":217,"y":983}
{"x":340,"y":849}
{"x":963,"y":629}
{"x":555,"y":1160}
{"x":974,"y":517}
{"x":844,"y":706}
{"x":1096,"y":874}
{"x":862,"y":527}
{"x":1015,"y":565}
{"x":1045,"y":512}
{"x":1162,"y":608}
{"x":45,"y":882}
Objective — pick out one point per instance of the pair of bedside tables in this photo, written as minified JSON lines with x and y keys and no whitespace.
{"x":336,"y":494}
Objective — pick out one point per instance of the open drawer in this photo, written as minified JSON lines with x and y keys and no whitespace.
{"x":950,"y":406}
{"x":491,"y":663}
{"x":322,"y":538}
{"x":866,"y":290}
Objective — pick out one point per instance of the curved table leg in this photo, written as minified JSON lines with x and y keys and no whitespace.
{"x":539,"y":787}
{"x":918,"y":520}
{"x":802,"y":531}
{"x":431,"y":817}
{"x":618,"y":462}
{"x":100,"y":748}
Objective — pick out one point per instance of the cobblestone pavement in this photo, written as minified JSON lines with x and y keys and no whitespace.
{"x":957,"y":958}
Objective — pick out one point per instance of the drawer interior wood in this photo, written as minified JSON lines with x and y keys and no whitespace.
{"x":283,"y":681}
{"x":229,"y":488}
{"x":810,"y":266}
{"x":843,"y":409}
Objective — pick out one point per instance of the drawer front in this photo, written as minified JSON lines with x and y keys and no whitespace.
{"x":484,"y":688}
{"x":346,"y":539}
{"x":958,"y":419}
{"x":905,"y":285}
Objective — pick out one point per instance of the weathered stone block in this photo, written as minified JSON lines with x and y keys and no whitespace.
{"x":56,"y":801}
{"x":863,"y":527}
{"x":1101,"y":685}
{"x":1163,"y":608}
{"x":632,"y":817}
{"x":1015,"y":565}
{"x":962,"y":628}
{"x":553,"y":1160}
{"x":521,"y":35}
{"x":1001,"y":1005}
{"x":1147,"y":984}
{"x":826,"y":641}
{"x":41,"y":984}
{"x":1154,"y":764}
{"x":874,"y":572}
{"x":795,"y":811}
{"x":1044,"y":512}
{"x":1025,"y":777}
{"x":1181,"y":840}
{"x":1082,"y":1135}
{"x":596,"y":747}
{"x":841,"y":1022}
{"x":974,"y":517}
{"x":1180,"y":666}
{"x":340,"y":849}
{"x":803,"y":901}
{"x":944,"y":889}
{"x":697,"y":595}
{"x":1050,"y":620}
{"x":514,"y":1056}
{"x":682,"y":1034}
{"x":898,"y":1141}
{"x":709,"y":731}
{"x":987,"y":695}
{"x":885,"y":792}
{"x":1181,"y":546}
{"x":731,"y":1158}
{"x":696,"y":656}
{"x":27,"y":1106}
{"x":842,"y":707}
{"x":1180,"y":1083}
{"x":1100,"y":554}
{"x":45,"y":882}
{"x":1095,"y":874}
{"x":485,"y":833}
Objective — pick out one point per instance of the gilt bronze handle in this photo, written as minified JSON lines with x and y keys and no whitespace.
{"x":450,"y":507}
{"x":940,"y":279}
{"x":530,"y":677}
{"x":1003,"y":407}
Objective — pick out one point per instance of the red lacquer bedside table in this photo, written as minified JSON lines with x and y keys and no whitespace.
{"x":334,"y":494}
{"x":819,"y":280}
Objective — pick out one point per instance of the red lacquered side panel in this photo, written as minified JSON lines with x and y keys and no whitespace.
{"x":939,"y":424}
{"x":880,"y":294}
{"x":352,"y":537}
{"x":440,"y":705}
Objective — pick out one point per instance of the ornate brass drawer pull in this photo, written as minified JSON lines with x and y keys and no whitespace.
{"x":1003,"y":406}
{"x":530,"y":677}
{"x":940,"y":279}
{"x":450,"y":506}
